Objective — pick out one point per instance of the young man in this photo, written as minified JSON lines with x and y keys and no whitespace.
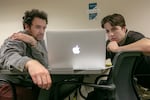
{"x":121,"y":39}
{"x":26,"y":51}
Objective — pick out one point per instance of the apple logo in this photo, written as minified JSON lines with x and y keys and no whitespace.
{"x":76,"y":49}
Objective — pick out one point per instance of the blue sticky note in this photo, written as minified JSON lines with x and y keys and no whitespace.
{"x":92,"y":16}
{"x":92,"y":6}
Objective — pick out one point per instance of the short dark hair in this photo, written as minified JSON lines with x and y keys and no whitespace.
{"x":30,"y":15}
{"x":114,"y":20}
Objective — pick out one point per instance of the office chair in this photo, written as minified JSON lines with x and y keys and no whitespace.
{"x":123,"y":77}
{"x":109,"y":87}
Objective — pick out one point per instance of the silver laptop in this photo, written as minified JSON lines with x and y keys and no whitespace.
{"x":82,"y":49}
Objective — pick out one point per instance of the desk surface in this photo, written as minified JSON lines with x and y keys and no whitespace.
{"x":62,"y":71}
{"x":58,"y":72}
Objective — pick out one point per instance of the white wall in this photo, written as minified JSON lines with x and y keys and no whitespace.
{"x":66,"y":14}
{"x":136,"y":13}
{"x":73,"y":14}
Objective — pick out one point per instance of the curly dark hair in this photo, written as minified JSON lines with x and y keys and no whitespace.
{"x":114,"y":20}
{"x":30,"y":15}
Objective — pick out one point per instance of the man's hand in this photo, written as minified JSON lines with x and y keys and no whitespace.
{"x":24,"y":37}
{"x":113,"y":46}
{"x":39,"y":74}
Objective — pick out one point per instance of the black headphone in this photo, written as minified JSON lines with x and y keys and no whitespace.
{"x":27,"y":20}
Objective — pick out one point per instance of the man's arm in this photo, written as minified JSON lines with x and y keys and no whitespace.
{"x":39,"y":74}
{"x":37,"y":47}
{"x":13,"y":53}
{"x":142,"y":45}
{"x":24,"y":37}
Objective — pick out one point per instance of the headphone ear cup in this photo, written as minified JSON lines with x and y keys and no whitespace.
{"x":27,"y":20}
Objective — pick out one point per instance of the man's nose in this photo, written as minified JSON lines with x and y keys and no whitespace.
{"x":42,"y":30}
{"x":111,"y":33}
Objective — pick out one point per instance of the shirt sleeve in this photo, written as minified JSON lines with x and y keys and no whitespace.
{"x":13,"y":55}
{"x":40,"y":53}
{"x":133,"y":37}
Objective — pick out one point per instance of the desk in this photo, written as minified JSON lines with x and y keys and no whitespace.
{"x":57,"y":72}
{"x":85,"y":73}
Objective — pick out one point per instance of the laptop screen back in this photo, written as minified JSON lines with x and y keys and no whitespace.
{"x":76,"y":49}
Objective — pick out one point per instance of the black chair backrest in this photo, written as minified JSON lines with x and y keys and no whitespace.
{"x":124,"y":64}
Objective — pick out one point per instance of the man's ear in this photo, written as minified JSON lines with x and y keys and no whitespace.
{"x":26,"y":26}
{"x":124,"y":28}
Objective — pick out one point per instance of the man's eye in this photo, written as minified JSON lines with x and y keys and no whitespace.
{"x":107,"y":31}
